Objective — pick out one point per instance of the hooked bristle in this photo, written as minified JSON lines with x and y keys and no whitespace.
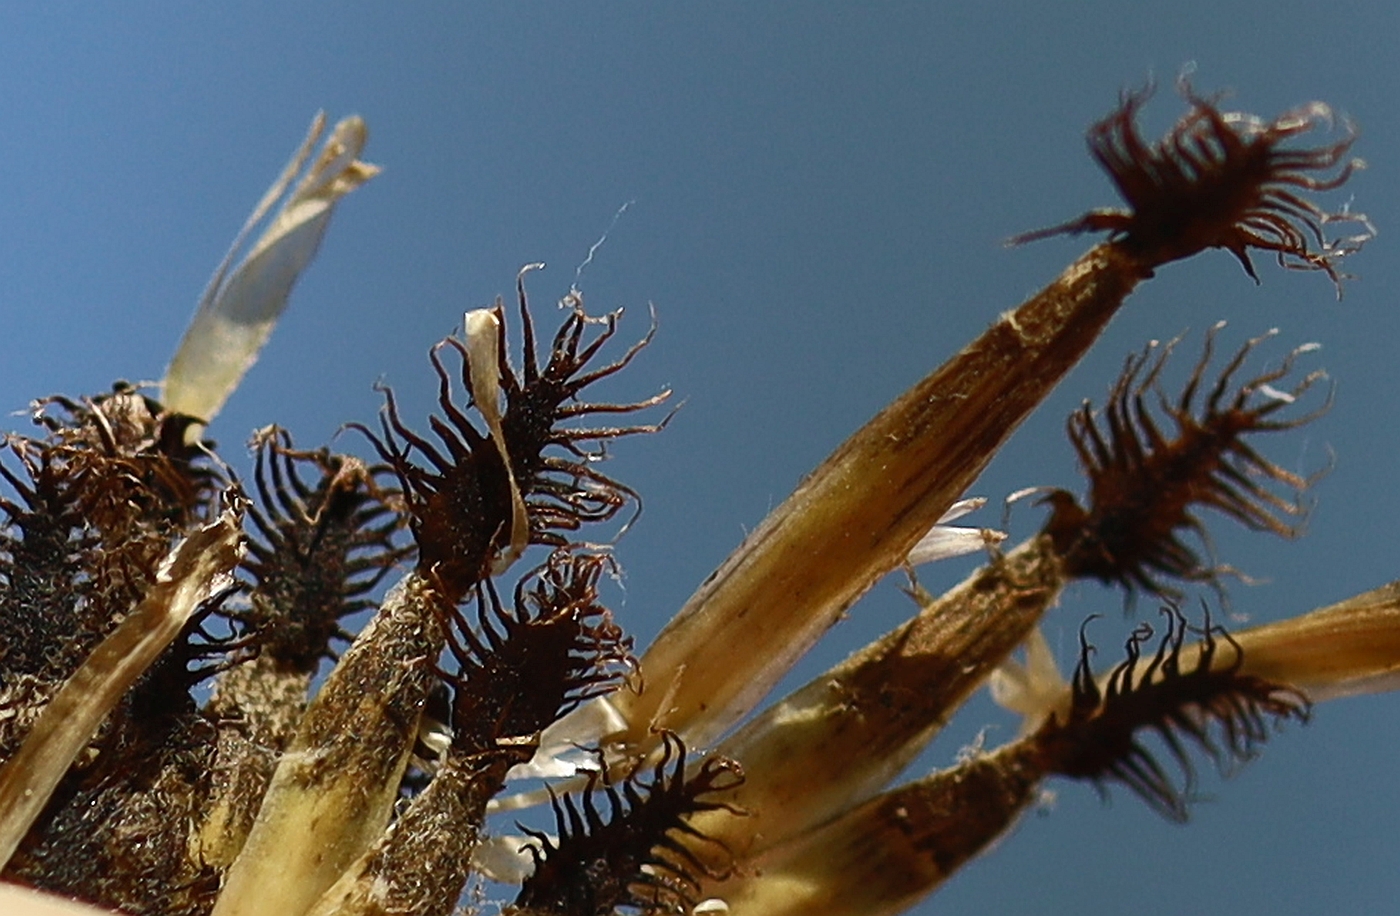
{"x":1144,"y":484}
{"x":635,"y":858}
{"x":321,"y":549}
{"x":517,"y":671}
{"x":1212,"y":705}
{"x":1222,"y":180}
{"x":461,"y":504}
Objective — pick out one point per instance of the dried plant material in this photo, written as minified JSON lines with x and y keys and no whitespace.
{"x":945,"y":540}
{"x":1348,"y":648}
{"x":317,"y":550}
{"x":337,"y":781}
{"x":885,"y":855}
{"x":862,"y":510}
{"x":483,"y":333}
{"x":634,"y":858}
{"x":372,"y":797}
{"x":1215,"y":181}
{"x":1144,"y":483}
{"x":1222,"y":180}
{"x":422,"y":861}
{"x":195,"y":570}
{"x":514,"y":671}
{"x":1211,"y":704}
{"x":239,"y":309}
{"x":23,"y":901}
{"x":463,"y":505}
{"x":844,"y":736}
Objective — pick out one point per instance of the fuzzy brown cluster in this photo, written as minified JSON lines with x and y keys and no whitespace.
{"x":1222,"y":180}
{"x":1144,"y":482}
{"x":378,"y":668}
{"x":156,"y":810}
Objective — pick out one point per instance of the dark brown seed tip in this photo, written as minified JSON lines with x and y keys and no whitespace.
{"x":643,"y":856}
{"x":1222,"y":180}
{"x":1211,"y":705}
{"x":1146,"y":480}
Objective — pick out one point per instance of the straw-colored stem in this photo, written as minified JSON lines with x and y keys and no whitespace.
{"x":858,"y":514}
{"x":841,"y":738}
{"x":334,"y":787}
{"x":883,"y":856}
{"x":422,"y":862}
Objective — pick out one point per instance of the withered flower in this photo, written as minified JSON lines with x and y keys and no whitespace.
{"x":1222,"y":180}
{"x":1145,"y":482}
{"x":465,"y":505}
{"x":633,"y":858}
{"x":372,"y":792}
{"x":1098,"y":738}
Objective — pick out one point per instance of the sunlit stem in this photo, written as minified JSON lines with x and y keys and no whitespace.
{"x":858,"y":514}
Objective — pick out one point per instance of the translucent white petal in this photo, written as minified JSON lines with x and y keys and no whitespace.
{"x":239,"y":309}
{"x":944,"y":541}
{"x":1033,"y":689}
{"x":504,"y":859}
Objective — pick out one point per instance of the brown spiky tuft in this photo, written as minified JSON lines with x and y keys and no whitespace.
{"x":97,"y":502}
{"x":564,"y":491}
{"x":1211,"y":705}
{"x":322,"y":547}
{"x":634,"y":858}
{"x":460,"y":504}
{"x":1144,"y":484}
{"x":517,"y":671}
{"x":1221,"y":180}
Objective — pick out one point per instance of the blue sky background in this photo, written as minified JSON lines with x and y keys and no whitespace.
{"x":819,"y":198}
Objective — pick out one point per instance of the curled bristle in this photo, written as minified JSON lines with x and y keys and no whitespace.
{"x":1212,"y":705}
{"x":1222,"y":180}
{"x":459,"y":503}
{"x":321,"y":548}
{"x":564,"y":491}
{"x":635,"y":857}
{"x":517,"y":671}
{"x":94,"y":506}
{"x":460,"y":500}
{"x":138,"y":442}
{"x":1144,"y":483}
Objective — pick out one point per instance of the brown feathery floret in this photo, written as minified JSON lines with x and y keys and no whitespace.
{"x":1212,"y":705}
{"x":321,"y":548}
{"x":634,"y":858}
{"x":1221,"y":180}
{"x":1144,"y":483}
{"x":564,"y":491}
{"x":518,"y":671}
{"x":460,"y":504}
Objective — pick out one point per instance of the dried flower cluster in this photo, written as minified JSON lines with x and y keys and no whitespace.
{"x":165,"y":747}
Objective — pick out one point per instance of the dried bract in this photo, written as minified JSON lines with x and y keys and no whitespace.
{"x":635,"y":857}
{"x":517,"y":671}
{"x":322,"y":547}
{"x":461,"y":504}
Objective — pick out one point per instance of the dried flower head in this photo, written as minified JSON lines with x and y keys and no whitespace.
{"x":1221,"y":180}
{"x":1212,"y":705}
{"x":463,"y":504}
{"x":273,"y":798}
{"x":321,"y":548}
{"x":644,"y":855}
{"x":1144,"y":483}
{"x":517,"y":671}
